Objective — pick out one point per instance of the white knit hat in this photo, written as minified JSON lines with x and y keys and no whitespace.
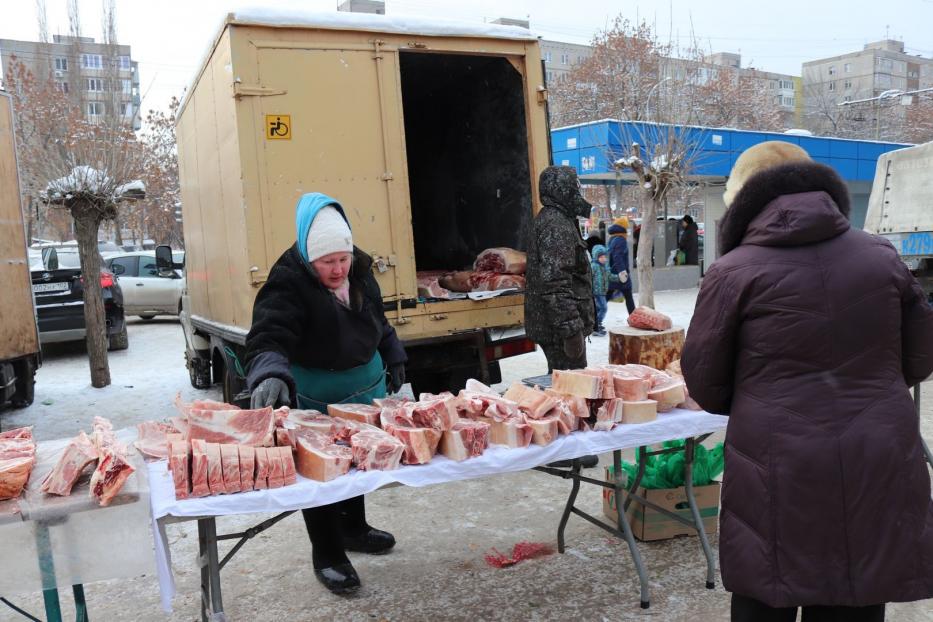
{"x":329,"y":233}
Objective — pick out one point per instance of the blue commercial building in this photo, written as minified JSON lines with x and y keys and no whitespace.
{"x":592,"y":148}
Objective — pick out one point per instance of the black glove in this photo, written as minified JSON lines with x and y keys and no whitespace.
{"x":395,"y":377}
{"x":574,"y":346}
{"x":270,"y":392}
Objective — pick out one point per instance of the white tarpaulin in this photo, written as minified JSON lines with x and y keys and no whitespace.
{"x":677,"y":424}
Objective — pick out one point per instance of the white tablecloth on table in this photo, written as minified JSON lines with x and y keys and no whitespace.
{"x":677,"y":424}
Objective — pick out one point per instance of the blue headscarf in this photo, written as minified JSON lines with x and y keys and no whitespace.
{"x":308,"y":207}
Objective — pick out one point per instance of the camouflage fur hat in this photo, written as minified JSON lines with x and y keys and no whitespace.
{"x":559,"y":188}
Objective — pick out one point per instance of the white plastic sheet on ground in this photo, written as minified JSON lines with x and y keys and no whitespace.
{"x":677,"y":424}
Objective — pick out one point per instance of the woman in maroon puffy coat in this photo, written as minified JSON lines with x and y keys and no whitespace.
{"x":809,"y":333}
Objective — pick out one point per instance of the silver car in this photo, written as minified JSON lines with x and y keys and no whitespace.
{"x":145,"y":293}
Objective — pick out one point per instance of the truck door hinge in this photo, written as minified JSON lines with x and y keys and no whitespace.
{"x":387,"y":176}
{"x":542,"y":94}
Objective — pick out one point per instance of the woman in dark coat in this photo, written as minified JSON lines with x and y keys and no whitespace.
{"x":809,"y":333}
{"x":618,"y":264}
{"x":319,"y":337}
{"x":689,"y":242}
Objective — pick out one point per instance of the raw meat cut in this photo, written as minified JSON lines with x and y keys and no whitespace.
{"x":288,"y":461}
{"x":390,"y":402}
{"x":478,"y":387}
{"x":103,"y":436}
{"x":17,"y":448}
{"x":439,"y":414}
{"x":640,"y":412}
{"x":534,"y":403}
{"x":375,"y":449}
{"x":180,"y":423}
{"x":576,"y":405}
{"x":576,"y":383}
{"x":230,"y":463}
{"x":673,"y":368}
{"x":14,"y":473}
{"x":77,"y":455}
{"x":566,"y":422}
{"x":284,"y":437}
{"x":544,"y":430}
{"x":276,"y":468}
{"x":215,"y":469}
{"x":609,"y":414}
{"x":262,"y":469}
{"x":199,"y":469}
{"x":689,"y":404}
{"x":185,"y":409}
{"x":25,"y":432}
{"x":478,"y":401}
{"x":668,"y":396}
{"x":457,"y":281}
{"x":110,"y":475}
{"x":313,"y":419}
{"x":420,"y":442}
{"x":654,"y":377}
{"x":501,"y":260}
{"x":429,"y":287}
{"x":238,"y":427}
{"x":178,"y":451}
{"x":513,"y":432}
{"x":247,"y":466}
{"x":364,"y":413}
{"x":631,"y":388}
{"x":608,"y":386}
{"x":490,"y":281}
{"x":466,"y":439}
{"x":151,"y":440}
{"x":320,"y":459}
{"x":648,"y":319}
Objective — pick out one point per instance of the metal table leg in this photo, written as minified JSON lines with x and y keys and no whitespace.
{"x":575,"y":488}
{"x":689,"y":453}
{"x":213,"y":568}
{"x":80,"y":603}
{"x":622,"y":521}
{"x":205,"y":572}
{"x":53,"y":608}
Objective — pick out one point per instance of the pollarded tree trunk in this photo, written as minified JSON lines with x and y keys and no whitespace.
{"x":87,"y":218}
{"x":649,"y":226}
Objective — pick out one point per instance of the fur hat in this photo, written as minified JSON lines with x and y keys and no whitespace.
{"x":759,"y":158}
{"x":329,"y":233}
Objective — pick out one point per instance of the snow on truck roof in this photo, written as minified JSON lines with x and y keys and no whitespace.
{"x":281,"y":15}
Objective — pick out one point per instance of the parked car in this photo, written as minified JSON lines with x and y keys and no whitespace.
{"x":145,"y":293}
{"x":58,"y":288}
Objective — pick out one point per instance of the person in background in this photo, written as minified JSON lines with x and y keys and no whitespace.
{"x":319,"y":337}
{"x":601,"y":280}
{"x":826,"y":494}
{"x":689,"y":243}
{"x":559,"y":312}
{"x":619,"y":266}
{"x":592,"y":240}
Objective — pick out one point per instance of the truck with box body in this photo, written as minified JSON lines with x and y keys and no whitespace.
{"x":19,"y":335}
{"x":900,"y":207}
{"x":431,"y":135}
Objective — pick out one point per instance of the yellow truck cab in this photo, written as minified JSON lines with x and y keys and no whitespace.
{"x":19,"y":335}
{"x":430,"y":134}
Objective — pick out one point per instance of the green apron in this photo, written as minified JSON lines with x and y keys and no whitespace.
{"x":317,"y":388}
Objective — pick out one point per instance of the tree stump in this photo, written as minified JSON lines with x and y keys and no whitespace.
{"x":645,"y":347}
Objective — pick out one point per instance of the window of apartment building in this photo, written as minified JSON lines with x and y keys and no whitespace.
{"x":832,"y":70}
{"x":91,"y":61}
{"x":95,"y":109}
{"x":61,"y":63}
{"x":580,"y":59}
{"x":787,"y":101}
{"x":61,"y":87}
{"x":547,"y":57}
{"x":565,"y":59}
{"x":847,"y":98}
{"x":127,"y":86}
{"x":832,"y":86}
{"x":550,"y":76}
{"x":95,"y":85}
{"x":847,"y":67}
{"x":787,"y":84}
{"x":883,"y":80}
{"x":848,"y":84}
{"x":772,"y":84}
{"x":123,"y":62}
{"x":127,"y":109}
{"x":885,"y":64}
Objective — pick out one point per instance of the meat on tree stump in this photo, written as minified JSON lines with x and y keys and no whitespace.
{"x":653,"y":348}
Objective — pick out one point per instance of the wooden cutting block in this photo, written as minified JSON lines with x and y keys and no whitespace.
{"x":655,"y":349}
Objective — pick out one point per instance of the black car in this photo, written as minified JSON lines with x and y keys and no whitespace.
{"x":58,"y":288}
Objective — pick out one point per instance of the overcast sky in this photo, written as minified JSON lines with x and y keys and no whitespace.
{"x":168,"y":37}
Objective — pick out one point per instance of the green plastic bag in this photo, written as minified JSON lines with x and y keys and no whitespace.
{"x":667,"y":470}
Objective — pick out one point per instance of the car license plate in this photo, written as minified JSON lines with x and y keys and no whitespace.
{"x":41,"y":288}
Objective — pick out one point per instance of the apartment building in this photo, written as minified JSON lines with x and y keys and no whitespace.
{"x":102,"y":78}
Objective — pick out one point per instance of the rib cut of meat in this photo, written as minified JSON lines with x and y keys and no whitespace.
{"x":14,"y":473}
{"x":576,"y":405}
{"x":151,"y":440}
{"x":501,"y":260}
{"x":199,"y":482}
{"x":363,"y":413}
{"x":490,"y":281}
{"x":420,"y":442}
{"x":375,"y":449}
{"x":439,"y":414}
{"x":577,"y":383}
{"x":534,"y":403}
{"x":237,"y":427}
{"x":25,"y":432}
{"x":320,"y":459}
{"x":466,"y":439}
{"x":430,"y":287}
{"x":215,"y":469}
{"x":457,"y":281}
{"x":512,"y":432}
{"x":247,"y":466}
{"x":178,"y":452}
{"x":103,"y":436}
{"x":543,"y":430}
{"x":648,"y":319}
{"x":17,"y":448}
{"x":77,"y":455}
{"x":262,"y":469}
{"x":111,"y":473}
{"x":230,"y":463}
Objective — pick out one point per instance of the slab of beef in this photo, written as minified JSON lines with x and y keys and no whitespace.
{"x":439,"y":414}
{"x":111,"y":474}
{"x":466,"y":439}
{"x":199,"y":469}
{"x":247,"y":467}
{"x":25,"y":432}
{"x":375,"y":449}
{"x":78,"y":454}
{"x":543,"y":430}
{"x":262,"y":469}
{"x":215,"y":469}
{"x":178,"y":464}
{"x":151,"y":438}
{"x":230,"y":463}
{"x":420,"y":442}
{"x":501,"y":260}
{"x":648,"y":319}
{"x":534,"y":403}
{"x":236,"y":427}
{"x":491,"y":281}
{"x":430,"y":287}
{"x":320,"y":459}
{"x":364,"y":413}
{"x":14,"y":473}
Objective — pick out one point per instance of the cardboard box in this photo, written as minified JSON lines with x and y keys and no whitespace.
{"x":649,"y":524}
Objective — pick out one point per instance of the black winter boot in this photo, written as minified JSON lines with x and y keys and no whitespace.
{"x":358,"y":535}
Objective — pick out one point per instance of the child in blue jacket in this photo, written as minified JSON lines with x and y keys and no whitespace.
{"x":601,"y":278}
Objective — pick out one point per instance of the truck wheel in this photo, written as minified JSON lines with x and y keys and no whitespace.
{"x":25,"y":384}
{"x":120,"y":341}
{"x":146,"y":317}
{"x":199,"y":372}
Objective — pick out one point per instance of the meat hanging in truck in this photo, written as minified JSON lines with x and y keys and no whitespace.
{"x":77,"y":455}
{"x":501,"y":260}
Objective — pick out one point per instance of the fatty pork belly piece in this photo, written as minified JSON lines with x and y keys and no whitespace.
{"x":543,"y":430}
{"x":111,"y":474}
{"x":276,"y":468}
{"x":608,"y":386}
{"x":363,"y":413}
{"x":534,"y":403}
{"x":247,"y":466}
{"x":648,"y":319}
{"x":320,"y":459}
{"x":199,"y":469}
{"x":78,"y":454}
{"x":230,"y":465}
{"x":17,"y":448}
{"x":25,"y":432}
{"x":466,"y":439}
{"x":151,"y":438}
{"x":14,"y":473}
{"x":375,"y":449}
{"x":178,"y":464}
{"x":234,"y":427}
{"x":511,"y":432}
{"x":262,"y":469}
{"x":577,"y":383}
{"x":288,"y":462}
{"x":186,"y":408}
{"x":215,"y":469}
{"x":420,"y":443}
{"x":501,"y":260}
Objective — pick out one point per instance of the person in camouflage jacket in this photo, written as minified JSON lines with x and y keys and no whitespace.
{"x":559,"y":310}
